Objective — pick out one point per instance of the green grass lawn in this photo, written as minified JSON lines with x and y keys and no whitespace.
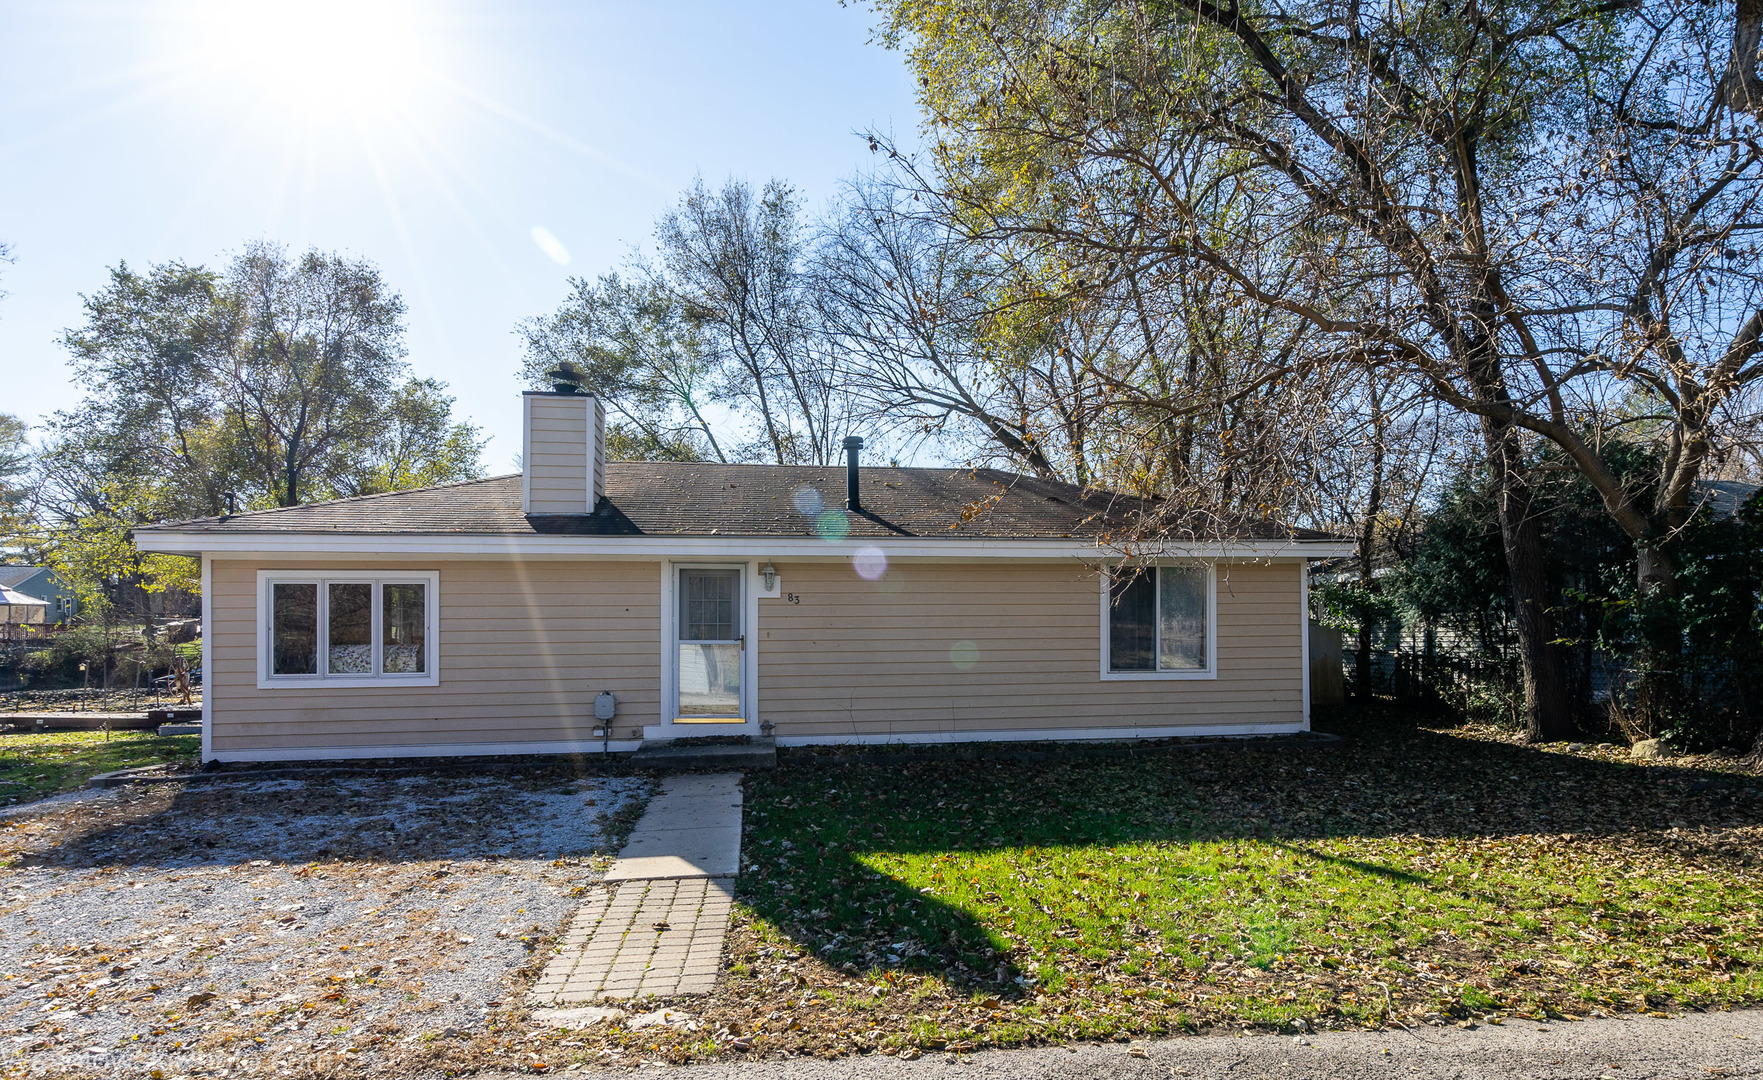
{"x":1401,"y":876}
{"x":35,"y":766}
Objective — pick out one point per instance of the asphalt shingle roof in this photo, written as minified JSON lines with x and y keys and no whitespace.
{"x":12,"y":575}
{"x":701,"y":499}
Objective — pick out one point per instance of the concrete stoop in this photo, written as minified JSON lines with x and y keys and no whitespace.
{"x":669,"y":755}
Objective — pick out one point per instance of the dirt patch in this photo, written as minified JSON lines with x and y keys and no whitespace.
{"x":293,"y":927}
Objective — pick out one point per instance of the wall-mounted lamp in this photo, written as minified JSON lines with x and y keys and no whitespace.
{"x":769,"y":573}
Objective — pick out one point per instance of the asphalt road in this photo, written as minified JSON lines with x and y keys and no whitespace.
{"x":1699,"y":1045}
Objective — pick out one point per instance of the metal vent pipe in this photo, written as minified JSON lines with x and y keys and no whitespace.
{"x":853,"y":443}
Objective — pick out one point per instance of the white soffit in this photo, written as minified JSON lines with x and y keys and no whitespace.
{"x":332,"y":545}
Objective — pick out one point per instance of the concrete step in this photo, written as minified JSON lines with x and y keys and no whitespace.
{"x":670,"y":755}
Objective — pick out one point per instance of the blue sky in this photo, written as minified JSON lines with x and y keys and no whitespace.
{"x":463,"y":147}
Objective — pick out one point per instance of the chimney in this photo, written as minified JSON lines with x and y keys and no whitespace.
{"x":853,"y":443}
{"x":563,"y":451}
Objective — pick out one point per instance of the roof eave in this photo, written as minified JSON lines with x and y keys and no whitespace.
{"x":184,"y":542}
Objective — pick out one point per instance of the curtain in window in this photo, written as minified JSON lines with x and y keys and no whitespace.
{"x":1181,"y":618}
{"x":350,"y":630}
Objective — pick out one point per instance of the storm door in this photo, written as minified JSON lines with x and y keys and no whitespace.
{"x":710,"y":640}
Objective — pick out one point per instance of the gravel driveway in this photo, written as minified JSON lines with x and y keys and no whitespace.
{"x":320,"y":926}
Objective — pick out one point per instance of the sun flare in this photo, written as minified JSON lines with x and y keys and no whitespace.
{"x":316,"y":59}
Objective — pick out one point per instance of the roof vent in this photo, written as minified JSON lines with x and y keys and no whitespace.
{"x":853,"y":443}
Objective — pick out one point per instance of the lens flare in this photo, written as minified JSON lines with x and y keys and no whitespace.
{"x":550,"y":245}
{"x":808,"y":501}
{"x":964,"y":655}
{"x":870,"y":563}
{"x":831,"y":526}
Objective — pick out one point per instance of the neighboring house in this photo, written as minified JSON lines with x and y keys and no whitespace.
{"x":952,"y":604}
{"x":41,"y":582}
{"x":21,"y":615}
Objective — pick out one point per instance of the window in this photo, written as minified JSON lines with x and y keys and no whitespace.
{"x":1157,"y":622}
{"x":345,"y":627}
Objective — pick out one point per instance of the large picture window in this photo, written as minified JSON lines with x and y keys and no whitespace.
{"x":1157,"y":622}
{"x":346,"y":627}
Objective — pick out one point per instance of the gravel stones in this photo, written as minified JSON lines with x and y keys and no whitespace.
{"x":323,"y":924}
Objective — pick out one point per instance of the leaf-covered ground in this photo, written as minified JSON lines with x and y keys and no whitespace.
{"x":1401,"y":876}
{"x":35,"y":766}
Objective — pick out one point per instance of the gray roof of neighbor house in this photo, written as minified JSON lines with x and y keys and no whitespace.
{"x":700,"y":499}
{"x":12,"y":575}
{"x":1726,"y":496}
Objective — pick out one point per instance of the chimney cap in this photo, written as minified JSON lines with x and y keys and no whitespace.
{"x":853,"y":442}
{"x":566,"y":378}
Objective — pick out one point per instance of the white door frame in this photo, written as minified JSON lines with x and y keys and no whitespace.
{"x":667,"y":729}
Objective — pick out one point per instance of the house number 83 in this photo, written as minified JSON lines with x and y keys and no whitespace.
{"x":792,"y":598}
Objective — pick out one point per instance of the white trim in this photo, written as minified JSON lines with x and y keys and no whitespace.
{"x":207,"y":654}
{"x":345,"y":753}
{"x":526,"y":454}
{"x":266,"y":579}
{"x":733,"y":548}
{"x":1304,"y":633}
{"x":1244,"y":731}
{"x":625,"y":746}
{"x":1209,"y":672}
{"x":666,"y":728}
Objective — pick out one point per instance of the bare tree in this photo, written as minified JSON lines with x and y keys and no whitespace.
{"x":1540,"y":213}
{"x":732,"y":261}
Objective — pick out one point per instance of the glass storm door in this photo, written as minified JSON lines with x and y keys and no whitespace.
{"x":711,"y":640}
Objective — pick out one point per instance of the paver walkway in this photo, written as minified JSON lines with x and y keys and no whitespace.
{"x":655,"y":928}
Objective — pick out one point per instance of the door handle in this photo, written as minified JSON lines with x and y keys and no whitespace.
{"x":743,"y":642}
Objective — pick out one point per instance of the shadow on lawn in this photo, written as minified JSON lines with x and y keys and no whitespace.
{"x":811,"y":827}
{"x":537,"y":811}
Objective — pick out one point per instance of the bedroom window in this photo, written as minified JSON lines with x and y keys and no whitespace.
{"x":346,"y":627}
{"x":1157,"y":622}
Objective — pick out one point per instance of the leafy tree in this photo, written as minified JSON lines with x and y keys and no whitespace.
{"x":641,"y":357}
{"x":417,"y":443}
{"x":280,"y":380}
{"x":15,"y":486}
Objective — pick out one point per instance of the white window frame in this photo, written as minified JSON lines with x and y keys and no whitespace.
{"x":1210,"y":671}
{"x":268,"y":579}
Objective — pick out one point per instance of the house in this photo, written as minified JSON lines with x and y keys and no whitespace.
{"x":40,"y":581}
{"x":824,"y":605}
{"x":21,"y":615}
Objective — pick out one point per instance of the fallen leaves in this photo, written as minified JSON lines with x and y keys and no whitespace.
{"x":1405,"y":876}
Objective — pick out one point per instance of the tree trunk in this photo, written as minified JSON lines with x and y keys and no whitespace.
{"x":1658,"y":695}
{"x":1548,"y":712}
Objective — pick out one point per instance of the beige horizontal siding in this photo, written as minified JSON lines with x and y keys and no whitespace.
{"x":524,"y":649}
{"x":875,"y":658}
{"x":556,"y":459}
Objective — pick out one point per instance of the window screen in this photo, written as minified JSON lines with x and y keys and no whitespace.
{"x":403,"y":626}
{"x":294,"y":629}
{"x":1132,"y":621}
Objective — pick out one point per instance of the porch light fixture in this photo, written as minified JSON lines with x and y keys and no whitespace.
{"x":769,"y":573}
